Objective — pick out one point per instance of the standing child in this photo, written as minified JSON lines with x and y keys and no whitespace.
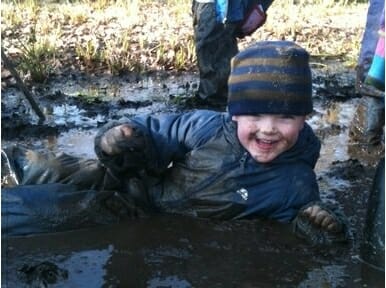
{"x":216,"y":26}
{"x":367,"y":127}
{"x":256,"y":160}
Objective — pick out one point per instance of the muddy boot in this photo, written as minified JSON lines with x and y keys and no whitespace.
{"x":214,"y":102}
{"x":373,"y":246}
{"x":26,"y":167}
{"x":366,"y":132}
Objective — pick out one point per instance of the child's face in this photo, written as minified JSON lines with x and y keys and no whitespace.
{"x":266,"y":136}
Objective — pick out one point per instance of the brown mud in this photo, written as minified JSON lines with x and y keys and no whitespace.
{"x":174,"y":251}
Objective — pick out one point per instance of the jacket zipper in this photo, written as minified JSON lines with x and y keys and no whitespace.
{"x":243,"y":160}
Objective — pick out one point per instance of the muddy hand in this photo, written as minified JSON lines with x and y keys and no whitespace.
{"x":114,"y":139}
{"x":322,"y":218}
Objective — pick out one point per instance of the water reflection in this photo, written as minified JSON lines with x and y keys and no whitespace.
{"x":75,"y":142}
{"x":173,"y":251}
{"x":168,"y":281}
{"x":336,"y":119}
{"x":86,"y":268}
{"x":326,"y":276}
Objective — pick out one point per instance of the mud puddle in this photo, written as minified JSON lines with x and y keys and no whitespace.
{"x":162,"y":252}
{"x":84,"y":105}
{"x":170,"y":251}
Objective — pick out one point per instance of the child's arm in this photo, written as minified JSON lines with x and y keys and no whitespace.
{"x":153,"y":142}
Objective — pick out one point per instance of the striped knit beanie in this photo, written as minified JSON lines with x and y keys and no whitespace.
{"x":270,"y":77}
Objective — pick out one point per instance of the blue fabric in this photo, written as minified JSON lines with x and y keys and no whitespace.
{"x":370,"y":36}
{"x":235,"y":10}
{"x":28,"y":209}
{"x":173,"y":135}
{"x":210,"y":170}
{"x":221,"y":10}
{"x":377,"y":69}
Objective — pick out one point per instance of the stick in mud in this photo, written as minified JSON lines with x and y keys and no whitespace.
{"x":8,"y":64}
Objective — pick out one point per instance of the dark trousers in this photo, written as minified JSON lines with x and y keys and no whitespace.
{"x":47,"y":192}
{"x":216,"y":44}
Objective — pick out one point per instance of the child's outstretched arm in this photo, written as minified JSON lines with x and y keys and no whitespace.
{"x":152,"y":142}
{"x":321,"y":223}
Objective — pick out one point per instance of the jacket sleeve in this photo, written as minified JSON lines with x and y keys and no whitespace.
{"x":301,"y":188}
{"x":167,"y":137}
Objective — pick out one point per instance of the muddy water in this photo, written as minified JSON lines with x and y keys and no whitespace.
{"x":184,"y":252}
{"x":174,"y":251}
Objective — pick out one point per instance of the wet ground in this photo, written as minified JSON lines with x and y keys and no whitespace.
{"x":174,"y":251}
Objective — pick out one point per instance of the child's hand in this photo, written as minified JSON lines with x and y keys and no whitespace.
{"x":114,"y":139}
{"x":322,"y":218}
{"x":321,"y":223}
{"x":122,"y":148}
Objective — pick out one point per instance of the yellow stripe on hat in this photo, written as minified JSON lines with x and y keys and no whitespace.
{"x":279,"y":62}
{"x":282,"y":78}
{"x":258,"y":95}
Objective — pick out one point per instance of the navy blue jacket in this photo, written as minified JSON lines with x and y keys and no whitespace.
{"x":205,"y":171}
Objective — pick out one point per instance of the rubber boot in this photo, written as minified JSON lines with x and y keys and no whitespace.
{"x":373,"y":246}
{"x":366,"y":131}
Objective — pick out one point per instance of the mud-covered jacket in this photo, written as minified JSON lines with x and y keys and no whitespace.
{"x":204,"y":171}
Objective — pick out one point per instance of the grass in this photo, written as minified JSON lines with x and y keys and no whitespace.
{"x":37,"y":57}
{"x":145,"y":35}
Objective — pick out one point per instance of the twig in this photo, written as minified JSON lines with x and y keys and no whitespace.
{"x":8,"y":64}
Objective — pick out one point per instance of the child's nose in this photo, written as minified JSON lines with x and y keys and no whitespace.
{"x":268,"y":126}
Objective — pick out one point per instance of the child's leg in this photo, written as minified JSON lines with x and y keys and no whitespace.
{"x":50,"y":193}
{"x":27,"y":167}
{"x":53,"y":207}
{"x":216,"y":44}
{"x":373,"y":244}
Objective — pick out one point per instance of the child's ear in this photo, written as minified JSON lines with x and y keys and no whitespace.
{"x":235,"y":118}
